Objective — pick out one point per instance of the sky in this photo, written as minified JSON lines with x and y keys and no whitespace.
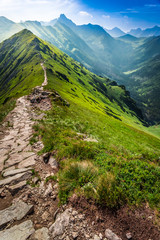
{"x":125,"y":14}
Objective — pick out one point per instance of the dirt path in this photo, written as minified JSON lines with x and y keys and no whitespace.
{"x":45,"y":75}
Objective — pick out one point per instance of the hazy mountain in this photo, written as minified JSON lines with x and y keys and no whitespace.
{"x":143,"y":78}
{"x":51,"y":23}
{"x":115,"y":32}
{"x":136,"y":32}
{"x":149,"y":32}
{"x":128,"y":37}
{"x":63,"y":19}
{"x":8,"y":28}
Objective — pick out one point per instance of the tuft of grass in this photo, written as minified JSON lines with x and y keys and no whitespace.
{"x":74,"y":177}
{"x":108,"y":192}
{"x":52,"y":177}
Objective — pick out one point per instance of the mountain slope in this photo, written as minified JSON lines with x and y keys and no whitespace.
{"x":93,"y":47}
{"x":22,"y":63}
{"x":146,"y":87}
{"x":97,"y":137}
{"x":8,"y":28}
{"x":128,"y":37}
{"x":19,"y":64}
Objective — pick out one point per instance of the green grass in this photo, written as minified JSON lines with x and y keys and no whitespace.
{"x":125,"y":158}
{"x":6,"y":108}
{"x":155,"y":130}
{"x":131,"y":156}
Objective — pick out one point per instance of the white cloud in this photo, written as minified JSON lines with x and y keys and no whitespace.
{"x":44,"y":10}
{"x":151,"y":5}
{"x":37,"y":1}
{"x":106,"y":16}
{"x":85,"y":14}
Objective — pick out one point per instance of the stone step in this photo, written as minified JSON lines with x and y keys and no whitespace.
{"x":17,"y":158}
{"x":19,"y":232}
{"x":15,"y":212}
{"x":15,"y":179}
{"x":15,"y":188}
{"x":9,"y":173}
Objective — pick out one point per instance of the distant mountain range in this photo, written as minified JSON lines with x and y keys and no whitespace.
{"x":115,"y":32}
{"x":119,"y":58}
{"x":149,"y":32}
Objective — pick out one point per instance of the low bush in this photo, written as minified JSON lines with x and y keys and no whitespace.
{"x":74,"y":177}
{"x":108,"y":192}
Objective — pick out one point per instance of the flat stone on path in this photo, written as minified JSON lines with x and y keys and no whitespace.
{"x":15,"y":188}
{"x":15,"y":179}
{"x":29,"y":162}
{"x":9,"y":173}
{"x":17,"y":158}
{"x":19,"y":232}
{"x":15,"y":212}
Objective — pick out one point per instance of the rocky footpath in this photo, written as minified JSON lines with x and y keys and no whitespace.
{"x":29,"y":206}
{"x":28,"y":198}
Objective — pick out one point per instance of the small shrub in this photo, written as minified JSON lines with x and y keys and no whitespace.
{"x":74,"y":177}
{"x":108,"y":192}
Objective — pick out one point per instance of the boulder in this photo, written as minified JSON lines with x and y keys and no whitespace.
{"x":53,"y":163}
{"x":62,"y":221}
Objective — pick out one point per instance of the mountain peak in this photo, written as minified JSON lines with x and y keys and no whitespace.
{"x":63,"y":19}
{"x":115,"y":32}
{"x":63,"y":16}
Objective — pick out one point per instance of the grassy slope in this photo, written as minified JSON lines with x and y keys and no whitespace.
{"x":130,"y":155}
{"x":99,"y":109}
{"x":19,"y":65}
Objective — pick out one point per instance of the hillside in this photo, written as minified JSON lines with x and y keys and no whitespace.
{"x":19,"y":65}
{"x":148,"y":95}
{"x":85,"y":43}
{"x":84,"y":139}
{"x":144,"y":78}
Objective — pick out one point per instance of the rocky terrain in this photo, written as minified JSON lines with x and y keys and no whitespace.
{"x":29,"y":206}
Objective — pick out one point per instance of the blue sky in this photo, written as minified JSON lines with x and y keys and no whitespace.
{"x":125,"y":14}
